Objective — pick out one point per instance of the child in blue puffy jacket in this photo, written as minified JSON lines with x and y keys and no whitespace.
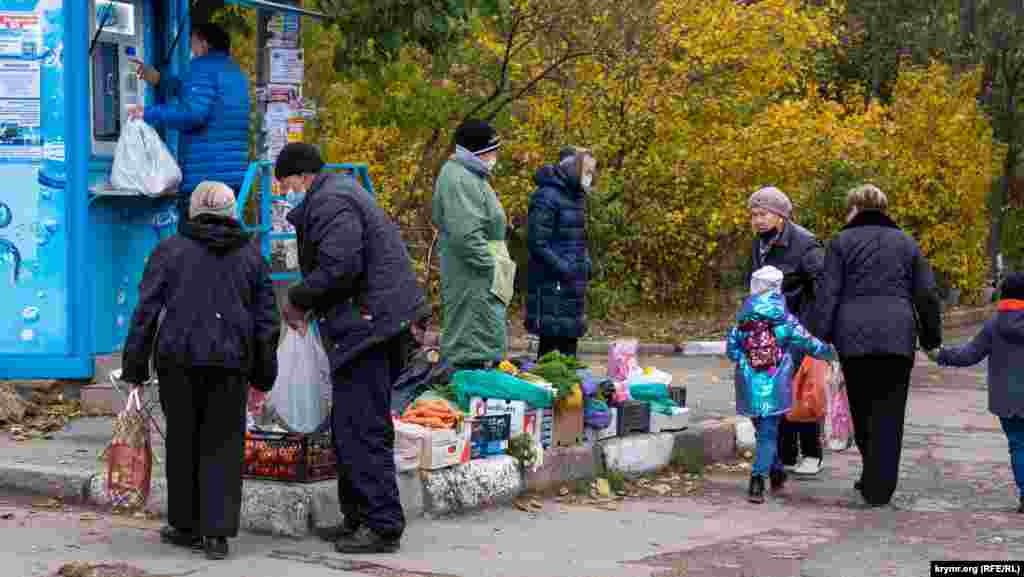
{"x":766,"y":345}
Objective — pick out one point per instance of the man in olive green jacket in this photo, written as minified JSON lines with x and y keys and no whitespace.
{"x":477,"y":274}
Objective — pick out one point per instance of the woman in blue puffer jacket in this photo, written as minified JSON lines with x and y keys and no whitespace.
{"x":559,"y":268}
{"x":211,"y":112}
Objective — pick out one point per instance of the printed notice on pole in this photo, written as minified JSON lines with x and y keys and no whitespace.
{"x":286,"y":66}
{"x":19,"y":79}
{"x":20,"y":35}
{"x":20,"y":138}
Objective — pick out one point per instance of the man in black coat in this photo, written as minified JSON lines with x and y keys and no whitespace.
{"x":787,"y":246}
{"x":219,"y":334}
{"x":359,"y":283}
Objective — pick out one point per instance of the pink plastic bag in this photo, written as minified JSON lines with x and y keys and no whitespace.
{"x":622,"y":359}
{"x":839,"y":423}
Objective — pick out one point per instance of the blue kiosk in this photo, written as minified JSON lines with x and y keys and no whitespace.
{"x":72,"y":249}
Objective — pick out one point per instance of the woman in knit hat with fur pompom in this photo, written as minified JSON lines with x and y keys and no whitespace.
{"x":794,"y":250}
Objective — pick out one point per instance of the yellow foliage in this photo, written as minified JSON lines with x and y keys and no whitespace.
{"x":689,"y":112}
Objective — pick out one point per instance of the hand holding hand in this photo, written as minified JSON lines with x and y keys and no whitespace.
{"x":136,"y":112}
{"x":295,"y":317}
{"x":933,"y":354}
{"x":257,"y":399}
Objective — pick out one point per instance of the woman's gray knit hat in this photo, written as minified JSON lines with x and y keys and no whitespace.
{"x":773,"y":200}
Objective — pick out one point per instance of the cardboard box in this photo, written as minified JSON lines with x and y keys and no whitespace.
{"x":678,"y":422}
{"x":612,"y":430}
{"x":446,"y":448}
{"x":537,"y":422}
{"x":568,"y":426}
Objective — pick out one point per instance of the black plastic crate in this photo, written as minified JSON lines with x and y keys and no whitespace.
{"x":678,"y":395}
{"x":634,"y":417}
{"x":289,"y":457}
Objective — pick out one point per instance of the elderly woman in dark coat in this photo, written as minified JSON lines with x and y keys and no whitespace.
{"x":791,"y":248}
{"x":218,"y":336}
{"x":879,"y":298}
{"x":559,"y":268}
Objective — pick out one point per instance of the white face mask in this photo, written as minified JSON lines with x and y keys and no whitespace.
{"x":587,"y":180}
{"x":490,"y":164}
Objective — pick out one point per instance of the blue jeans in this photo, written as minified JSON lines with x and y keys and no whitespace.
{"x":1014,"y":428}
{"x":767,"y":433}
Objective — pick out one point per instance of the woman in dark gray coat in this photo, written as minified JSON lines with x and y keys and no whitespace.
{"x":1002,"y":342}
{"x":879,"y":297}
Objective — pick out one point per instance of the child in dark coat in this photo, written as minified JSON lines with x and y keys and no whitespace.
{"x":1002,"y":342}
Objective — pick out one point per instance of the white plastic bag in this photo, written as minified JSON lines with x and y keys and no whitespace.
{"x":142,"y":162}
{"x":303,"y":374}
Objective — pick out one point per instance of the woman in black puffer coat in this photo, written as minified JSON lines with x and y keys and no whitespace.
{"x":559,"y":268}
{"x":879,"y":298}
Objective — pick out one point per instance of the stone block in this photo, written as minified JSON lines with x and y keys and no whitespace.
{"x":562,"y":465}
{"x":277,"y":509}
{"x":688,"y":450}
{"x":48,"y":481}
{"x":476,"y":484}
{"x":719,"y":441}
{"x":704,"y":349}
{"x":638,"y":454}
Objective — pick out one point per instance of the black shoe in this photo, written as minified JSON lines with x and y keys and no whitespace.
{"x":756,"y":492}
{"x":1021,"y":508}
{"x":778,"y":479}
{"x":344,"y":531}
{"x":859,"y":486}
{"x":216,"y":548}
{"x":179,"y":538}
{"x":365,"y":541}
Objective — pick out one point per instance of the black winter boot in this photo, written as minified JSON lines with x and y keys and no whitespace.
{"x":1021,"y":508}
{"x":756,"y":492}
{"x":778,"y":479}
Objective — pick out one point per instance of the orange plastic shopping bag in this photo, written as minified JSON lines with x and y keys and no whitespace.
{"x":809,"y":401}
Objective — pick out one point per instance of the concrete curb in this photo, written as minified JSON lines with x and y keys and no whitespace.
{"x":950,"y":321}
{"x":297,"y":511}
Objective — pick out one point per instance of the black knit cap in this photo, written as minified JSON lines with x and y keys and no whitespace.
{"x":477,"y":136}
{"x":1013,"y":287}
{"x":297,"y":158}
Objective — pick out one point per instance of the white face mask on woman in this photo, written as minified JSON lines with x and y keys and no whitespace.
{"x":490,"y":163}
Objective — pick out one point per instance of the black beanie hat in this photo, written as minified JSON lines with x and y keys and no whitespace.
{"x":1013,"y":287}
{"x":297,"y":158}
{"x":477,"y":137}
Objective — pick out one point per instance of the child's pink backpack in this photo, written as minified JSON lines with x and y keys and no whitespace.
{"x":760,"y":345}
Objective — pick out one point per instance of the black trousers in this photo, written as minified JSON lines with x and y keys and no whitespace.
{"x":797,"y":439}
{"x":565,"y":345}
{"x":877,"y":388}
{"x":364,"y":439}
{"x":205,"y":412}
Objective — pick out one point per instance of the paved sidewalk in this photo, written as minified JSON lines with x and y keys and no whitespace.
{"x":955,"y":501}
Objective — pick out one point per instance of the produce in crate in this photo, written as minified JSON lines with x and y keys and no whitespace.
{"x":434,"y":414}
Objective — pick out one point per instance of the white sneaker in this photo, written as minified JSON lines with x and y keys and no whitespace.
{"x":808,"y":466}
